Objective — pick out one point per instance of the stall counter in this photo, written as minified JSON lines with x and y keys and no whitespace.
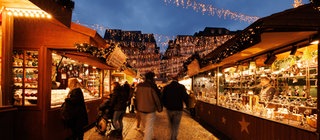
{"x":238,"y":126}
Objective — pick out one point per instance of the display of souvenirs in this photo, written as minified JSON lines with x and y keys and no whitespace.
{"x":58,"y":96}
{"x":205,"y":87}
{"x":25,"y":77}
{"x":285,"y":90}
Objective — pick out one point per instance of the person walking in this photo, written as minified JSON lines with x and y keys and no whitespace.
{"x":173,"y":96}
{"x":75,"y":110}
{"x":119,"y":102}
{"x":148,"y":102}
{"x":192,"y":104}
{"x":127,"y":89}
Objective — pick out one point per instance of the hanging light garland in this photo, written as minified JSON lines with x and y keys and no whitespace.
{"x":28,"y":13}
{"x":212,"y":11}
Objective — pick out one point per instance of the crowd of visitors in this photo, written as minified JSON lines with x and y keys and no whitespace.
{"x":145,"y":99}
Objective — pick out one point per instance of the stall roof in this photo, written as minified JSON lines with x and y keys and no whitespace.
{"x":84,"y":58}
{"x":60,"y":11}
{"x":290,"y":27}
{"x":51,"y":34}
{"x":100,"y":42}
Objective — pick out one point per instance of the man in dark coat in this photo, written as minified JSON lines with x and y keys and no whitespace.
{"x":174,"y":94}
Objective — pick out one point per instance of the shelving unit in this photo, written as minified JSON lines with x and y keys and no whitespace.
{"x":91,"y":79}
{"x":25,"y":77}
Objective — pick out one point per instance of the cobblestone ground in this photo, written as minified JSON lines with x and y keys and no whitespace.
{"x":189,"y":129}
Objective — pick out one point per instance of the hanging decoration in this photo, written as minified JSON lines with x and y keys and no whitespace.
{"x":116,"y":58}
{"x":246,"y":39}
{"x":212,"y":11}
{"x":101,"y":53}
{"x":112,"y":55}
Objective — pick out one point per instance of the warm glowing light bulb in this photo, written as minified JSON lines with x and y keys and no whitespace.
{"x":49,"y":16}
{"x":37,"y":15}
{"x":15,"y":13}
{"x":315,"y":42}
{"x":26,"y":14}
{"x":32,"y":15}
{"x":9,"y":13}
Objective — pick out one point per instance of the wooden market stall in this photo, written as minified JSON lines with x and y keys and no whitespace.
{"x":28,"y":66}
{"x":224,"y":102}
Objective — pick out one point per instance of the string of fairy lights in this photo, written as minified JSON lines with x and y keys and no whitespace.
{"x":212,"y":10}
{"x":162,"y":40}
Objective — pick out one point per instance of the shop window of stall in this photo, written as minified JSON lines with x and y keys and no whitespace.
{"x":64,"y":68}
{"x":248,"y":86}
{"x":25,"y":77}
{"x":205,"y":86}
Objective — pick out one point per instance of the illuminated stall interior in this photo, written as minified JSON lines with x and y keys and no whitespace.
{"x":64,"y":68}
{"x":293,"y":74}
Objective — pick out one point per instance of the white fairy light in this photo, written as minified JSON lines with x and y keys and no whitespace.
{"x":213,"y":11}
{"x":28,"y":13}
{"x":297,"y":3}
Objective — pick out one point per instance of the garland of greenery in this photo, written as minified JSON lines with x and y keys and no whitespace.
{"x":101,"y":53}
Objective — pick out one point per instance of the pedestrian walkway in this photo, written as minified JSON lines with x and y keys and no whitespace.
{"x":189,"y":129}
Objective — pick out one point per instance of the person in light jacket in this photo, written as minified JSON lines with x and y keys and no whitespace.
{"x":148,"y":102}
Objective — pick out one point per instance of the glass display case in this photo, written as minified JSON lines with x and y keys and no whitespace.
{"x":294,"y":78}
{"x":25,"y":77}
{"x":58,"y":96}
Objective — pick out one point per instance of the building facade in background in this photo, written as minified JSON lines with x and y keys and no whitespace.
{"x":184,"y":46}
{"x":144,"y":55}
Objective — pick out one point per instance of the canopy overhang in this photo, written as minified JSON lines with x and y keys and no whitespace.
{"x":85,"y":58}
{"x":282,"y":30}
